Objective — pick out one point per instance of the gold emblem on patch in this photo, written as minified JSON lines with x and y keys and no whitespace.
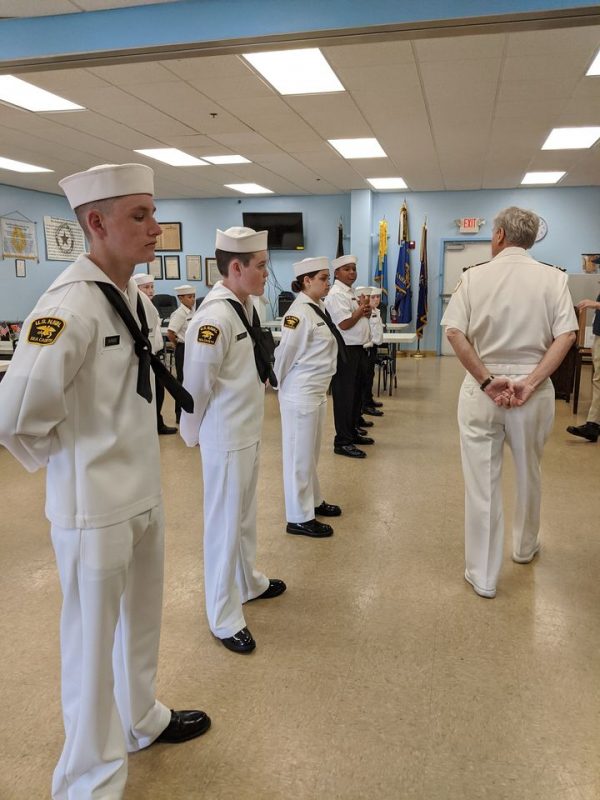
{"x":45,"y":330}
{"x":291,"y":322}
{"x":208,"y":334}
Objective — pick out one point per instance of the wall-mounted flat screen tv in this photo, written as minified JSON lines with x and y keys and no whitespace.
{"x":285,"y":228}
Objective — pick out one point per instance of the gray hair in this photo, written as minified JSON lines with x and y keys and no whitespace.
{"x":519,"y":225}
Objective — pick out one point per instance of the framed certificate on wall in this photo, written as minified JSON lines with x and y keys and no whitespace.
{"x":212,"y":273}
{"x":171,"y":268}
{"x":193,"y":268}
{"x":170,"y":238}
{"x":155,"y":268}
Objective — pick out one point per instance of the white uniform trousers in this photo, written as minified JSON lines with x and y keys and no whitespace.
{"x":594,"y":412}
{"x":484,"y":427}
{"x":111,"y":580}
{"x":302,"y":428}
{"x":230,"y":577}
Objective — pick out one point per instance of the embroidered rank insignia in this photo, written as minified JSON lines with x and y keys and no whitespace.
{"x":208,"y":334}
{"x":291,"y":322}
{"x":45,"y":330}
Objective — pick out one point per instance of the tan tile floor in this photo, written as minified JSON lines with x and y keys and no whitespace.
{"x":379,"y":674}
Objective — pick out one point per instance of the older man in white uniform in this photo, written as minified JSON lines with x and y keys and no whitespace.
{"x":511,"y":323}
{"x":71,"y":402}
{"x":221,"y":375}
{"x":351,"y":318}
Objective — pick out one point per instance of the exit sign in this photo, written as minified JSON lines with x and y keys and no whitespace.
{"x":469,"y":224}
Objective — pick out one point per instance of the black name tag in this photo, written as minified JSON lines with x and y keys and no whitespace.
{"x":319,"y":324}
{"x":111,"y":341}
{"x":241,"y":336}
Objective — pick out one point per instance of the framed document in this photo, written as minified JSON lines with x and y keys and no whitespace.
{"x":171,"y":268}
{"x":212,"y":273}
{"x":170,"y":238}
{"x":20,"y":268}
{"x":193,"y":268}
{"x":155,"y":268}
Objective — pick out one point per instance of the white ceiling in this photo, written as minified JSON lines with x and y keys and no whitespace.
{"x":468,"y":112}
{"x":46,"y":8}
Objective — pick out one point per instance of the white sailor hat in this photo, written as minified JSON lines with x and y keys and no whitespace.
{"x":241,"y":240}
{"x":375,"y":290}
{"x":339,"y":262}
{"x":107,"y":180}
{"x":364,"y":290}
{"x":185,"y":289}
{"x":310,"y":265}
{"x":141,"y":278}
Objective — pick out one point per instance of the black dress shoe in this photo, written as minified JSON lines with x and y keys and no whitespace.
{"x":363,"y":440}
{"x":372,"y":412}
{"x":184,"y":725}
{"x":365,"y":423}
{"x":311,"y":528}
{"x":241,"y":642}
{"x":328,"y":510}
{"x":164,"y":430}
{"x":274,"y":589}
{"x":350,"y":451}
{"x":376,"y":404}
{"x":589,"y":431}
{"x":361,"y":431}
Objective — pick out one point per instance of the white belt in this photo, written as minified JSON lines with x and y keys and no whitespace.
{"x":511,"y":369}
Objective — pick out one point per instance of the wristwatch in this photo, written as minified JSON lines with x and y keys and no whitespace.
{"x":486,"y":383}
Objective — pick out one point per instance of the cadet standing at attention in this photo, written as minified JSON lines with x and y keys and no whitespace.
{"x":77,"y":399}
{"x":305,"y":360}
{"x":222,"y":376}
{"x":178,"y":323}
{"x":511,"y":322}
{"x":351,"y":318}
{"x":145,"y":284}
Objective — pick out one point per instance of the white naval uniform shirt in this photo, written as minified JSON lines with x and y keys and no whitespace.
{"x":306,"y":357}
{"x":220,"y":374}
{"x":376,"y":326}
{"x":341,"y":303}
{"x":179,"y":321}
{"x":511,"y":309}
{"x":69,"y":402}
{"x":153,"y":320}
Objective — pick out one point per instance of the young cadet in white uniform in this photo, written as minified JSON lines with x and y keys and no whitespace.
{"x":221,"y":375}
{"x":70,"y":403}
{"x":510,"y":322}
{"x":305,"y":361}
{"x":178,"y":323}
{"x":145,"y":284}
{"x":376,"y":337}
{"x":351,"y":318}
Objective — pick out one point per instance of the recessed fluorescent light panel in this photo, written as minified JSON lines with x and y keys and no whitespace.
{"x":571,"y":138}
{"x":595,"y":68}
{"x":542,"y":177}
{"x":26,"y":95}
{"x":227,"y":160}
{"x":20,"y":166}
{"x":173,"y":157}
{"x":358,"y":148}
{"x":388,"y":183}
{"x":248,"y":188}
{"x":296,"y":71}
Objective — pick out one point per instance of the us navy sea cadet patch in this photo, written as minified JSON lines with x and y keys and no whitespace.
{"x":291,"y":322}
{"x":45,"y":330}
{"x":208,"y":334}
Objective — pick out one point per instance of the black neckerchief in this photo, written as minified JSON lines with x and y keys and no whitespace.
{"x":263,"y":343}
{"x":333,"y":328}
{"x":143,"y":350}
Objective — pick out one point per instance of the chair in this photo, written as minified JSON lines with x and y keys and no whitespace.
{"x":165,"y":304}
{"x":385,"y":368}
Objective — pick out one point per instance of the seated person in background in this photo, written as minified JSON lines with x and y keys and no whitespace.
{"x":590,"y":430}
{"x":178,"y":323}
{"x":145,"y":284}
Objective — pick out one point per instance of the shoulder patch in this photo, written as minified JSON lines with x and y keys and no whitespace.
{"x":291,"y":322}
{"x":208,"y":334}
{"x":45,"y":330}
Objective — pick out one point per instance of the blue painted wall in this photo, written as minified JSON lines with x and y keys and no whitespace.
{"x":572,"y":215}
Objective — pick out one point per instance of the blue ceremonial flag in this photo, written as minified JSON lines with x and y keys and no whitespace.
{"x":422,"y":303}
{"x":380,"y":276}
{"x":403,"y":299}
